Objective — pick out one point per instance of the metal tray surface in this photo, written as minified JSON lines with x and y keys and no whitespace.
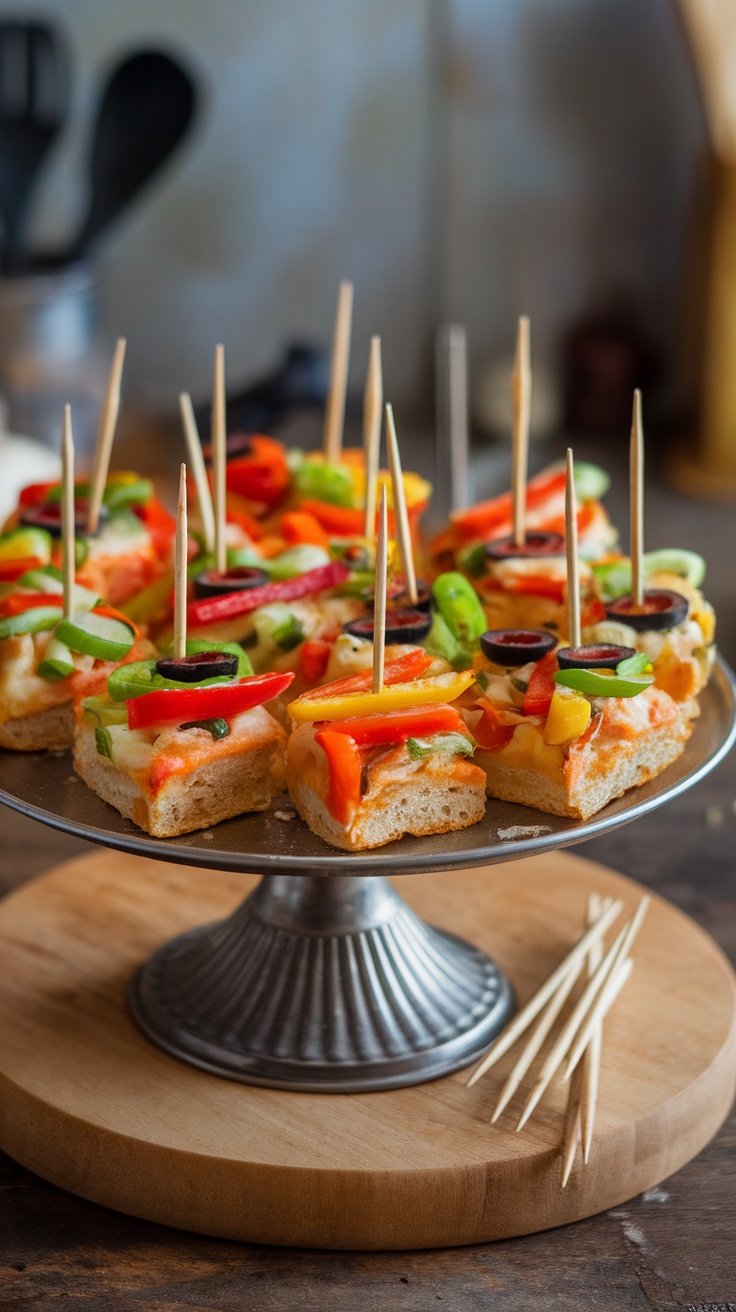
{"x":44,"y":787}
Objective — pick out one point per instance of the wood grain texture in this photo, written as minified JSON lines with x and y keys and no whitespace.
{"x":88,"y":1103}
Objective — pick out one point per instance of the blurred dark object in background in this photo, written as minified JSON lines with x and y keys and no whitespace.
{"x":606,"y":355}
{"x":34,"y":104}
{"x":299,"y":383}
{"x":145,"y":111}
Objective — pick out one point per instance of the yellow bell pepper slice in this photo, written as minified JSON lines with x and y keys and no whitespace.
{"x":568,"y":716}
{"x":420,"y":692}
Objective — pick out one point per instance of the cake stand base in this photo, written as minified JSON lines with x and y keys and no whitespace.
{"x":322,"y":985}
{"x":90,"y":1104}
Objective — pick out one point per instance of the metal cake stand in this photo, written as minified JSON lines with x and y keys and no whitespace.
{"x":324,"y":980}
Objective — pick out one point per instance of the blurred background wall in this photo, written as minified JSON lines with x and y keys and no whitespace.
{"x":460,"y":159}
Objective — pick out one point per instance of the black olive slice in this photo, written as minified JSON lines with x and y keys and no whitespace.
{"x":401,"y":626}
{"x":241,"y":578}
{"x":593,"y":656}
{"x":47,"y":515}
{"x":661,"y":610}
{"x":202,"y":665}
{"x":534,"y":544}
{"x":514,"y":647}
{"x":398,"y":597}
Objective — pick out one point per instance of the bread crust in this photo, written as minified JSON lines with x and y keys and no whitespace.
{"x":222,"y":788}
{"x":434,"y":796}
{"x":46,"y":731}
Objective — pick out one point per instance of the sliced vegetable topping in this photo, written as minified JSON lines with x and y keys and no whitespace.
{"x":459,"y":605}
{"x":218,"y":727}
{"x":410,"y":665}
{"x":141,"y":677}
{"x":661,"y":610}
{"x":345,"y":766}
{"x":401,"y":626}
{"x":239,"y":578}
{"x":276,"y":626}
{"x":12,"y":571}
{"x":100,"y":710}
{"x":224,"y":700}
{"x":614,"y":576}
{"x":594,"y":656}
{"x":103,"y":741}
{"x":198,"y":666}
{"x":47,"y":515}
{"x":568,"y":717}
{"x":57,"y":662}
{"x":541,"y":687}
{"x":395,"y":726}
{"x":534,"y":544}
{"x":604,"y":683}
{"x":449,"y":744}
{"x":96,"y":635}
{"x":20,"y":542}
{"x":313,"y":659}
{"x":324,"y":704}
{"x":210,"y":610}
{"x":325,"y":482}
{"x":514,"y":647}
{"x":33,"y":620}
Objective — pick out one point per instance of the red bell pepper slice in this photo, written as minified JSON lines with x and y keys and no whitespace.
{"x":411,"y":665}
{"x":18,"y":602}
{"x":298,"y":526}
{"x":160,"y":524}
{"x":396,"y":726}
{"x":35,"y":493}
{"x":313,"y":659}
{"x":177,"y":705}
{"x":535,"y":585}
{"x":210,"y":610}
{"x":263,"y":474}
{"x":490,"y":733}
{"x":10,"y":570}
{"x":489,"y":518}
{"x":539,"y":693}
{"x":343,"y":758}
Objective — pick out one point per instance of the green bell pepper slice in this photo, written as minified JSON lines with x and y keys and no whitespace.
{"x":460,"y":607}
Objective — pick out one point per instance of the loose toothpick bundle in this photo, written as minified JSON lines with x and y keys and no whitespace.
{"x":372,"y":414}
{"x":218,"y":439}
{"x":578,"y":1041}
{"x":379,"y":599}
{"x":199,"y":471}
{"x":180,"y":570}
{"x":521,"y":392}
{"x":401,"y":513}
{"x":68,"y":515}
{"x":105,"y":435}
{"x":571,"y":552}
{"x":335,"y":412}
{"x":636,"y":502}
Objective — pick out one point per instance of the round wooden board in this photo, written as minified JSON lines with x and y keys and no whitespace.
{"x":88,"y":1103}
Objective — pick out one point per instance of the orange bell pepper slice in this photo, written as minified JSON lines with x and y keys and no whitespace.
{"x":298,"y":526}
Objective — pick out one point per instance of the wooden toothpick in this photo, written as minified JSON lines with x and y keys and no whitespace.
{"x":372,"y":410}
{"x":379,"y":601}
{"x":571,"y":551}
{"x":68,"y":519}
{"x":180,"y":570}
{"x":636,"y":495}
{"x":524,"y":1018}
{"x":573,"y":1131}
{"x":105,"y":435}
{"x":219,"y":459}
{"x":591,"y":1065}
{"x":521,"y":387}
{"x":401,"y":513}
{"x":199,"y":472}
{"x":335,"y":413}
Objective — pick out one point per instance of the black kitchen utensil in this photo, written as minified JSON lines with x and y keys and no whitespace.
{"x":299,"y":383}
{"x":34,"y":101}
{"x":146,"y":110}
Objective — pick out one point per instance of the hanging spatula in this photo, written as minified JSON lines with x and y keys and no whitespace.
{"x":34,"y":101}
{"x":145,"y":112}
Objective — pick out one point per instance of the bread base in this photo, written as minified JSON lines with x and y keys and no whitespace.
{"x":51,"y":730}
{"x":217,"y":791}
{"x":632,"y":764}
{"x":432,"y":801}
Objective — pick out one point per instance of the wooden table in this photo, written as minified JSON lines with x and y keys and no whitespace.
{"x":672,"y":1248}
